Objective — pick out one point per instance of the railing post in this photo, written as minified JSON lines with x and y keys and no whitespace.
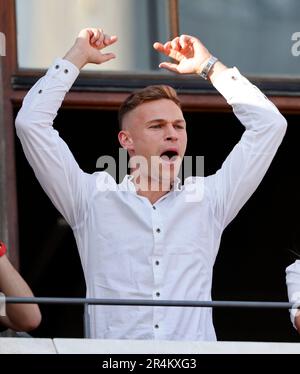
{"x":86,"y":321}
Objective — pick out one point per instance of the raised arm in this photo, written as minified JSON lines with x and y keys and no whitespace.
{"x":19,"y":317}
{"x":265,"y":127}
{"x":53,"y":163}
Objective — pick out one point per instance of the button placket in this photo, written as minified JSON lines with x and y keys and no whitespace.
{"x":156,"y":225}
{"x":157,"y":266}
{"x":158,"y":312}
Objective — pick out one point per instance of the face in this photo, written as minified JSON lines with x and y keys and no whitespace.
{"x":155,"y":132}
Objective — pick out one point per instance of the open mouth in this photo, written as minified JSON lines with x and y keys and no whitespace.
{"x":169,"y":156}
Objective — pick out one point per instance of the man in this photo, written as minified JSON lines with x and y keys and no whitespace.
{"x":293,"y":286}
{"x":138,"y":242}
{"x":19,"y":317}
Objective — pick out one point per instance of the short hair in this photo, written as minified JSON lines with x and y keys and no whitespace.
{"x":149,"y":93}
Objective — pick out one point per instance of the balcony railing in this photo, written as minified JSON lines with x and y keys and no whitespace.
{"x":141,"y":302}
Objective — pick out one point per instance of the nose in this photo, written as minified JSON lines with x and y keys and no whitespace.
{"x":171,"y":133}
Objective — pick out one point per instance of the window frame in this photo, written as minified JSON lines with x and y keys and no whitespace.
{"x":119,"y":82}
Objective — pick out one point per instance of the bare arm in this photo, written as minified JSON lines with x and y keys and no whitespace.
{"x":21,"y":317}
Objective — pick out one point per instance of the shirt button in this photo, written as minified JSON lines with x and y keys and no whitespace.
{"x":66,"y":71}
{"x":56,"y":67}
{"x":234,"y":78}
{"x":158,"y":230}
{"x":154,"y":207}
{"x":157,"y":294}
{"x":157,"y":262}
{"x":156,"y":326}
{"x":40,"y":91}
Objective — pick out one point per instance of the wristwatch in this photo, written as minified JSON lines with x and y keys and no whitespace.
{"x":2,"y":249}
{"x":210,"y":63}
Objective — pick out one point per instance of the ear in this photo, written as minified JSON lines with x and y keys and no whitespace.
{"x":126,"y":140}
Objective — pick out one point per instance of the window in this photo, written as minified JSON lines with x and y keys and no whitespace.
{"x":253,"y":35}
{"x":47,"y":29}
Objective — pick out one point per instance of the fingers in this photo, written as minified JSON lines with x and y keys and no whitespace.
{"x":184,"y":41}
{"x":167,"y":50}
{"x":104,"y":57}
{"x":175,"y":44}
{"x":97,"y":38}
{"x":173,"y":48}
{"x":163,"y":48}
{"x":159,"y":47}
{"x":169,"y":66}
{"x":108,"y":40}
{"x":103,"y":40}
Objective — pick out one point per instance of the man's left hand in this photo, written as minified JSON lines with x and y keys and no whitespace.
{"x":188,"y":51}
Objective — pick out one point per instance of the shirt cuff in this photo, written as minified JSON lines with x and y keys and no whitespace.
{"x":293,"y":314}
{"x":229,"y":81}
{"x":63,"y":70}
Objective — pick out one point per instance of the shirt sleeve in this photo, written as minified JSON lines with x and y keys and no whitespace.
{"x":293,"y":287}
{"x":244,"y":168}
{"x":49,"y":156}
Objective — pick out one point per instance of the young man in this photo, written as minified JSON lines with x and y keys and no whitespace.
{"x":293,"y":286}
{"x":19,"y":317}
{"x":138,"y":242}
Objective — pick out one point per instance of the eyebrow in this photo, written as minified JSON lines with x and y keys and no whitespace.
{"x":161,"y":120}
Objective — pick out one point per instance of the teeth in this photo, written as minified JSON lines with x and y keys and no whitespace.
{"x":166,"y":158}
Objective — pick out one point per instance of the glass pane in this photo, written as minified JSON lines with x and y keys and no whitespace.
{"x":47,"y":29}
{"x":254,"y":35}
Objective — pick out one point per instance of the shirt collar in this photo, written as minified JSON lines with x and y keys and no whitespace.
{"x":128,"y":185}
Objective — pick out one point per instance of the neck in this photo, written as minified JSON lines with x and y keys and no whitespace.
{"x":152,"y":190}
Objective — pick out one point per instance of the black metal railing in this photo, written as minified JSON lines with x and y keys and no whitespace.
{"x":143,"y":302}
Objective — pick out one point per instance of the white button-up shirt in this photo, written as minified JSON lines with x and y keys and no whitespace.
{"x":130,"y":249}
{"x":293,"y":286}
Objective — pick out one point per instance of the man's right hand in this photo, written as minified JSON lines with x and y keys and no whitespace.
{"x":87,"y":47}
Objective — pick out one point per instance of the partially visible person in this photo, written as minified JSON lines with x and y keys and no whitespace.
{"x":293,"y":286}
{"x":19,"y":317}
